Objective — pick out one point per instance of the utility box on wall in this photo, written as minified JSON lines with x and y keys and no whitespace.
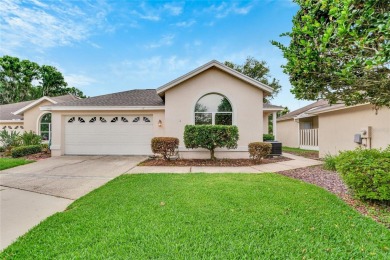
{"x":366,"y":132}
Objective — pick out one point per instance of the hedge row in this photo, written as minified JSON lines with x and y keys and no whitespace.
{"x":25,"y":150}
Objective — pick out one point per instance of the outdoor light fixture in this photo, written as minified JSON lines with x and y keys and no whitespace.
{"x":159,"y":123}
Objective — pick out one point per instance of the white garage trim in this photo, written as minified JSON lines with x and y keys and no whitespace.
{"x":108,"y":134}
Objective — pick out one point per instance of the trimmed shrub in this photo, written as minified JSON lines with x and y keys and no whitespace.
{"x":210,"y":137}
{"x":30,"y":138}
{"x":366,"y":172}
{"x":2,"y":149}
{"x":268,"y":137}
{"x":330,"y":162}
{"x":25,"y":150}
{"x":259,"y":150}
{"x":166,"y":146}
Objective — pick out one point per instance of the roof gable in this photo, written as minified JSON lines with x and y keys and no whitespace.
{"x":161,"y":90}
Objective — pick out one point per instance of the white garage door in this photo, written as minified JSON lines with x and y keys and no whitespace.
{"x":100,"y":135}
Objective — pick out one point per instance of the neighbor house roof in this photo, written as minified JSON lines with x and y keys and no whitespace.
{"x":131,"y":98}
{"x":268,"y":106}
{"x":161,"y":90}
{"x":7,"y":111}
{"x":305,"y":109}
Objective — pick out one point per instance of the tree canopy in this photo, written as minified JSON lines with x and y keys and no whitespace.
{"x":23,"y":80}
{"x":259,"y":71}
{"x":340,"y":51}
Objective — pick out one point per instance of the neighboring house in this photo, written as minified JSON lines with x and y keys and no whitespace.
{"x":332,"y":128}
{"x":27,"y":116}
{"x":123,"y":123}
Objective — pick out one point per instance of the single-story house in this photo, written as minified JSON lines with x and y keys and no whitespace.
{"x":124,"y":123}
{"x":333,"y":128}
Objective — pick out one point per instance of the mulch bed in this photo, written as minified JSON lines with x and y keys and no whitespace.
{"x":331,"y":181}
{"x":208,"y":162}
{"x":38,"y":156}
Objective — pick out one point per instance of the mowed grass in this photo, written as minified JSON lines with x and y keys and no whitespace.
{"x":6,"y":163}
{"x":205,"y":216}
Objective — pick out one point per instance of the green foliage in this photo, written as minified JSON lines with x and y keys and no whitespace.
{"x":17,"y":77}
{"x":6,"y":163}
{"x":2,"y":149}
{"x":30,"y":138}
{"x":257,"y":70}
{"x":166,"y":146}
{"x":211,"y":137}
{"x":259,"y":150}
{"x":366,"y":172}
{"x":340,"y":51}
{"x":9,"y":139}
{"x":268,"y":137}
{"x":330,"y":162}
{"x":25,"y":150}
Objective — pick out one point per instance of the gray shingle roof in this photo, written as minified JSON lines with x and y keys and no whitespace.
{"x":136,"y":97}
{"x":267,"y":105}
{"x":301,"y":110}
{"x":7,"y":110}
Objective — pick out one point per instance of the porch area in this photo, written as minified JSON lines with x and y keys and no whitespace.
{"x":308,"y":139}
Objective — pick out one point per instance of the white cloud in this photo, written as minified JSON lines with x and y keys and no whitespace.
{"x":43,"y":25}
{"x":185,"y":23}
{"x":154,"y":14}
{"x":166,"y":40}
{"x":225,"y":9}
{"x":173,"y":9}
{"x":78,"y":80}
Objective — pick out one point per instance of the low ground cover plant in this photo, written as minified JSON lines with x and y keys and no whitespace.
{"x":166,"y":146}
{"x":366,"y":172}
{"x":259,"y":150}
{"x":211,"y":137}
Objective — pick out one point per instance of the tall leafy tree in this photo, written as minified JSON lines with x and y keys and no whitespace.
{"x":16,"y":77}
{"x":22,"y":80}
{"x":259,"y":71}
{"x":340,"y":51}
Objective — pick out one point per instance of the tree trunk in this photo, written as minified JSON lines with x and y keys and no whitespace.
{"x":212,"y":156}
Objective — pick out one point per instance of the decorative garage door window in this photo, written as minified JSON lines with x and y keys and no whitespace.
{"x":213,"y":109}
{"x":109,"y":119}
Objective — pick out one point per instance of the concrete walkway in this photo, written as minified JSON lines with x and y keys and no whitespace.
{"x":296,"y":162}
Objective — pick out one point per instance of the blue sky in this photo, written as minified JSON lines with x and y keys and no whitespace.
{"x":107,"y":46}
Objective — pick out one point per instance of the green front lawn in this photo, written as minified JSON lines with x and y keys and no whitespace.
{"x":301,"y":152}
{"x":6,"y":163}
{"x":192,"y":216}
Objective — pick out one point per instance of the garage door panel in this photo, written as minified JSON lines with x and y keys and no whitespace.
{"x":108,"y":134}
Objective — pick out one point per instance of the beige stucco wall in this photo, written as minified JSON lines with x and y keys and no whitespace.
{"x":58,"y":124}
{"x":337,"y":128}
{"x":287,"y":132}
{"x":33,"y":116}
{"x":246,"y":100}
{"x":13,"y":125}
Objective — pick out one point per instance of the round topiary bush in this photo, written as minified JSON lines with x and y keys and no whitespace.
{"x":259,"y":150}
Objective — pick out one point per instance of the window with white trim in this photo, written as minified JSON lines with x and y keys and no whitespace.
{"x":45,"y":127}
{"x":213,"y":109}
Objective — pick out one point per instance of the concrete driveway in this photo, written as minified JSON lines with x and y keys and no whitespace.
{"x":32,"y":192}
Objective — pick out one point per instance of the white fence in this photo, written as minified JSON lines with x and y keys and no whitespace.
{"x":308,"y":139}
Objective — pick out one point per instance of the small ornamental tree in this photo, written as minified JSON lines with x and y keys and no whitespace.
{"x":210,"y":137}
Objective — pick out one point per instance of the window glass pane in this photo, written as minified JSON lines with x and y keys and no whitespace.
{"x":223,"y":119}
{"x":213,"y":103}
{"x":203,"y":119}
{"x":44,"y":127}
{"x":45,"y":136}
{"x":46,"y":118}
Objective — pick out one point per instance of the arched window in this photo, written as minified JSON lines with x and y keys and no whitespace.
{"x":213,"y":109}
{"x":45,"y":127}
